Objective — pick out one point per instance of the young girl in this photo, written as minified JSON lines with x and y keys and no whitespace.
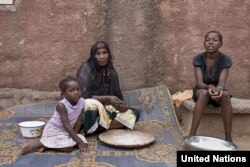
{"x":211,"y":71}
{"x":60,"y":133}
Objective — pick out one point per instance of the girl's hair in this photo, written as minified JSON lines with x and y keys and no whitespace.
{"x":217,"y":32}
{"x":63,"y":83}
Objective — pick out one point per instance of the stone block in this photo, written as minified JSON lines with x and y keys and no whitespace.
{"x":211,"y":123}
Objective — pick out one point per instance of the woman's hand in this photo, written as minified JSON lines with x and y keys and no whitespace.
{"x":83,"y":147}
{"x":115,"y":101}
{"x":122,"y":108}
{"x":118,"y":103}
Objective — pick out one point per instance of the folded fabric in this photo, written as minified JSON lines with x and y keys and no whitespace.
{"x":179,"y":97}
{"x":96,"y":114}
{"x":127,"y":118}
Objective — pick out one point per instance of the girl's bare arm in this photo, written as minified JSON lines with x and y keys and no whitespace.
{"x":60,"y":108}
{"x":78,"y":123}
{"x":199,"y":78}
{"x":223,"y":78}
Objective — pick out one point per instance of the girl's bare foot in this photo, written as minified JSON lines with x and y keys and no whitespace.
{"x":31,"y":147}
{"x":42,"y":149}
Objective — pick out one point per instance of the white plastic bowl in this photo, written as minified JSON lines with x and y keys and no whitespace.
{"x":31,"y":129}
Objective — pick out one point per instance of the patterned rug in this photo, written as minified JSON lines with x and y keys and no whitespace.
{"x":157,"y":117}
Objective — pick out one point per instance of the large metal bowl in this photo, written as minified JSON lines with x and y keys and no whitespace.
{"x":208,"y":144}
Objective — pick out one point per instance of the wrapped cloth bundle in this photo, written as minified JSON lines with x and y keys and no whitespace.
{"x":96,"y":114}
{"x":179,"y":97}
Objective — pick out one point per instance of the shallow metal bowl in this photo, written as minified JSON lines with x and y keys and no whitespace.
{"x":209,"y":144}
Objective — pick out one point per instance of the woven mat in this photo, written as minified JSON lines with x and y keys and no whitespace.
{"x":157,"y":117}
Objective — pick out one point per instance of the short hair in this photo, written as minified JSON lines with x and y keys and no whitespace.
{"x":217,"y":32}
{"x":63,"y":83}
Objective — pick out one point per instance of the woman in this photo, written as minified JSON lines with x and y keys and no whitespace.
{"x":211,"y":70}
{"x":99,"y":80}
